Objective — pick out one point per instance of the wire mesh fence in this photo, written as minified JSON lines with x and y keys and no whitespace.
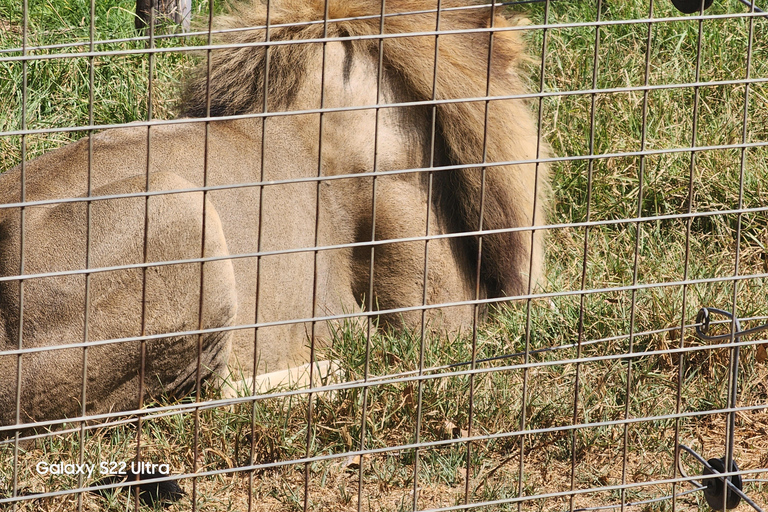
{"x":383,"y":255}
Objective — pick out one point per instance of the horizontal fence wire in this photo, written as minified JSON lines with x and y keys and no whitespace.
{"x":156,"y":50}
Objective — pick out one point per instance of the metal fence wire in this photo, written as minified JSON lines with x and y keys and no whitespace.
{"x":383,"y":255}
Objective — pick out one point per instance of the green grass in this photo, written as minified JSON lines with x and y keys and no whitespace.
{"x":58,"y":89}
{"x":622,"y":187}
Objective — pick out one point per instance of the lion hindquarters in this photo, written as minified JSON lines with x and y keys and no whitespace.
{"x":124,"y":302}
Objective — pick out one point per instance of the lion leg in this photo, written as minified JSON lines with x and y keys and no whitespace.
{"x":123,"y":303}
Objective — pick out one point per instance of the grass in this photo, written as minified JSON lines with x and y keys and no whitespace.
{"x":656,"y":187}
{"x":58,"y":89}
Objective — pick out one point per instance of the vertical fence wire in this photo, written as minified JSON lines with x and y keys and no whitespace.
{"x":311,"y":397}
{"x":203,"y":236}
{"x":369,"y":327}
{"x":686,"y":268}
{"x":730,"y":427}
{"x":528,"y":302}
{"x":88,"y":227}
{"x":22,"y":224}
{"x":262,"y":151}
{"x":476,"y":307}
{"x":636,"y":257}
{"x":425,"y":271}
{"x":585,"y":253}
{"x":145,"y":251}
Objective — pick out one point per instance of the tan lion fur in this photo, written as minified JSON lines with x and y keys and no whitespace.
{"x":461,"y":125}
{"x":287,"y":284}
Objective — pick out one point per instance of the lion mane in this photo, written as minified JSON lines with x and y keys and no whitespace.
{"x":464,"y":130}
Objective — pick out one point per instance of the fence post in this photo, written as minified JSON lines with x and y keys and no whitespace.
{"x":176,"y":11}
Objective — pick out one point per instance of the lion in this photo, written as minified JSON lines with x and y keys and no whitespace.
{"x":346,"y":173}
